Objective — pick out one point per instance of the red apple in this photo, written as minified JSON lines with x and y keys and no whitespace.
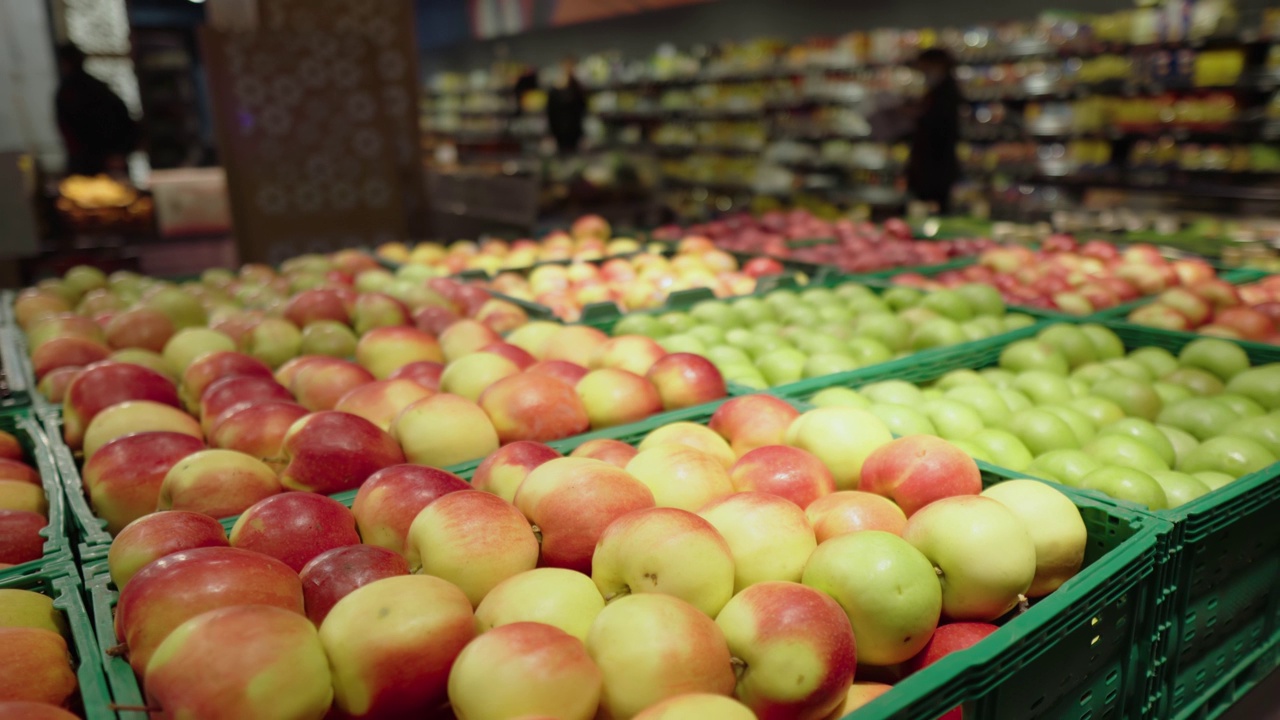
{"x":373,"y":310}
{"x":633,"y":353}
{"x":386,"y":503}
{"x":426,"y":373}
{"x":334,"y":451}
{"x":154,"y":536}
{"x":514,"y":353}
{"x":320,"y":383}
{"x":684,"y":380}
{"x":381,"y":401}
{"x":1191,"y":305}
{"x":53,"y":386}
{"x":101,"y":385}
{"x":18,"y":471}
{"x":294,"y":527}
{"x":753,"y":421}
{"x":123,"y":479}
{"x":617,"y":397}
{"x":1250,"y":323}
{"x":309,"y":306}
{"x":214,"y":366}
{"x":566,"y":372}
{"x":789,"y":472}
{"x":384,"y":350}
{"x":916,"y":470}
{"x":20,"y":539}
{"x":614,"y":452}
{"x":574,"y":343}
{"x":502,"y":472}
{"x":534,"y":407}
{"x":849,"y":511}
{"x":140,"y":327}
{"x":948,"y":639}
{"x":334,"y":574}
{"x":257,"y":430}
{"x":465,"y":337}
{"x":218,"y":483}
{"x":66,"y":352}
{"x":224,"y":397}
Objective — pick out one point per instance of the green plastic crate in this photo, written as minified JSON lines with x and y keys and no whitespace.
{"x":60,"y":581}
{"x":15,"y":377}
{"x":125,"y":689}
{"x":57,"y":544}
{"x":90,"y":530}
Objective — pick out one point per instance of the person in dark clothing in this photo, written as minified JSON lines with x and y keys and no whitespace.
{"x":566,"y":108}
{"x":96,"y":127}
{"x":933,"y":167}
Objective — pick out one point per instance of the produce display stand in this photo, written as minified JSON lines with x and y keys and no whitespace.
{"x":57,"y":544}
{"x":124,"y":686}
{"x":16,"y":389}
{"x":1220,"y":561}
{"x":60,"y":581}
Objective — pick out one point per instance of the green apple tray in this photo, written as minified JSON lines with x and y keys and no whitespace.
{"x":1221,"y":560}
{"x":60,"y":581}
{"x":130,"y":703}
{"x":57,"y":544}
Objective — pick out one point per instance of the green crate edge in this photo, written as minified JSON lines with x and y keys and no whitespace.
{"x":58,"y":541}
{"x":125,"y":689}
{"x":61,"y":577}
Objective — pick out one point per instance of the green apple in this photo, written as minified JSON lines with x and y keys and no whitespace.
{"x":891,"y":330}
{"x":782,"y":298}
{"x":841,"y":437}
{"x":1182,"y":442}
{"x":1101,"y":411}
{"x":1065,"y":466}
{"x":1017,"y":321}
{"x":948,"y":303}
{"x":747,"y":377}
{"x":1055,"y":525}
{"x":1137,"y":399}
{"x":1071,"y":341}
{"x":835,"y":314}
{"x":1041,"y":431}
{"x":899,"y":392}
{"x":1106,"y":344}
{"x":1235,"y":456}
{"x":1170,"y":393}
{"x":753,"y":310}
{"x":768,"y":327}
{"x":930,"y":393}
{"x":918,"y":316}
{"x":1081,"y":426}
{"x":859,"y":570}
{"x":1179,"y":488}
{"x":681,"y":343}
{"x":640,"y":324}
{"x":714,"y":312}
{"x":937,"y":332}
{"x":984,"y":399}
{"x":868,"y":351}
{"x":727,"y":353}
{"x":828,"y":364}
{"x":1202,"y":417}
{"x":1079,"y":388}
{"x":902,"y":298}
{"x":1132,"y":369}
{"x":1213,"y":479}
{"x":973,"y":450}
{"x":1199,"y":382}
{"x":840,"y":397}
{"x":867,"y":305}
{"x":961,"y":378}
{"x":903,"y":420}
{"x":1043,"y":387}
{"x":954,"y":420}
{"x":1093,"y":373}
{"x":741,"y":338}
{"x":1223,"y":358}
{"x":677,"y":322}
{"x":983,"y":298}
{"x":998,"y":377}
{"x":781,"y":366}
{"x":1158,"y":361}
{"x":761,"y":345}
{"x":1125,"y":451}
{"x":1125,"y":483}
{"x":1263,"y":430}
{"x":328,"y":337}
{"x":819,"y":295}
{"x":1015,"y":399}
{"x":1240,"y":405}
{"x":1003,"y":447}
{"x":853,"y":291}
{"x":1145,"y":432}
{"x":814,"y":343}
{"x":840,"y":331}
{"x":709,"y":335}
{"x":1026,"y":355}
{"x":1260,"y":384}
{"x":981,"y":327}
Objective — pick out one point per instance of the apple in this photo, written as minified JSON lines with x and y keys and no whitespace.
{"x":985,"y":557}
{"x":273,"y":656}
{"x":257,"y":430}
{"x":32,"y":305}
{"x":315,"y":305}
{"x":859,"y":570}
{"x":237,"y":392}
{"x":680,"y":476}
{"x":37,"y":667}
{"x":574,"y":343}
{"x":773,"y":627}
{"x":217,"y":483}
{"x":294,"y":527}
{"x":53,"y":386}
{"x":104,"y":384}
{"x":1260,"y":384}
{"x":1023,"y":355}
{"x":443,"y":430}
{"x":695,"y":706}
{"x":328,"y":337}
{"x":470,"y":375}
{"x":1263,"y":430}
{"x":387,"y":503}
{"x":528,"y":406}
{"x":1223,"y":358}
{"x":381,"y":402}
{"x":768,"y":536}
{"x":652,"y":647}
{"x":375,"y":309}
{"x":425,"y":373}
{"x":123,"y":479}
{"x":23,"y":496}
{"x":190,"y":343}
{"x":698,"y":437}
{"x":66,"y":352}
{"x":788,"y":472}
{"x":614,"y":452}
{"x":633,"y":353}
{"x":1055,"y":526}
{"x":859,"y":694}
{"x":322,"y":381}
{"x":842,"y":438}
{"x":214,"y":366}
{"x":572,"y":501}
{"x":525,"y":669}
{"x":20,"y":539}
{"x":949,"y":638}
{"x":166,"y":593}
{"x":473,"y":539}
{"x":502,"y":471}
{"x":1180,"y":488}
{"x":332,"y":451}
{"x":384,"y":350}
{"x":840,"y":397}
{"x":154,"y":536}
{"x":565,"y":599}
{"x":136,"y":416}
{"x":465,"y":337}
{"x":617,"y":397}
{"x":916,"y":470}
{"x":391,"y":644}
{"x":685,"y":380}
{"x":849,"y":511}
{"x":139,"y":327}
{"x":18,"y":471}
{"x":1126,"y":483}
{"x":1235,"y":456}
{"x":533,"y":337}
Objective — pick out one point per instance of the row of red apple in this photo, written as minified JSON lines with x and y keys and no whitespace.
{"x":1076,"y":278}
{"x":853,"y":247}
{"x":37,"y":679}
{"x":24,"y":509}
{"x":1070,"y":405}
{"x":652,"y":581}
{"x":1249,"y":312}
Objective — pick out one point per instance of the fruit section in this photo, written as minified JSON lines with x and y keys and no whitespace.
{"x":682,"y":476}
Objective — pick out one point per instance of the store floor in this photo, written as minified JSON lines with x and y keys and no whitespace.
{"x":1262,"y":703}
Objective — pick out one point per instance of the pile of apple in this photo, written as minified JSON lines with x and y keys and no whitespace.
{"x":1069,"y":277}
{"x":731,"y":570}
{"x":37,"y":681}
{"x":1071,"y":406}
{"x":1218,"y":308}
{"x":638,"y":282}
{"x":24,"y":509}
{"x":589,"y":238}
{"x":786,"y":336}
{"x":854,"y":247}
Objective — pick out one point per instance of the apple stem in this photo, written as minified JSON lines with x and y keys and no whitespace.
{"x":739,"y":667}
{"x":118,"y":650}
{"x":937,"y":571}
{"x":625,"y":591}
{"x":537,"y":533}
{"x":1023,"y":604}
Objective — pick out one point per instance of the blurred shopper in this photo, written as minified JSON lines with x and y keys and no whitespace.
{"x":566,"y":108}
{"x":934,"y":168}
{"x":96,"y":127}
